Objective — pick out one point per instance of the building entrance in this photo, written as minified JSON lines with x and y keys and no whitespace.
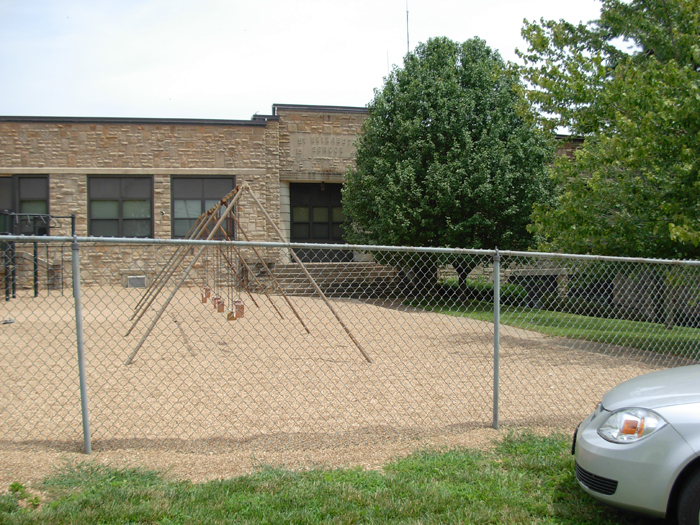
{"x":317,"y":217}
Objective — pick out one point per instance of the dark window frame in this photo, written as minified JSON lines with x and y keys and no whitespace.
{"x":312,"y":196}
{"x":202,"y":199}
{"x":92,"y":179}
{"x":311,"y":201}
{"x":16,"y":198}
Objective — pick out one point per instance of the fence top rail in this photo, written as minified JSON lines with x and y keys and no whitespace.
{"x":347,"y":247}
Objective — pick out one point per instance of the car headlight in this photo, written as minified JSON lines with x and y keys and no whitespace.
{"x":629,"y":425}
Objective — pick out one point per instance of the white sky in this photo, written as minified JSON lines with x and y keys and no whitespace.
{"x":229,"y":59}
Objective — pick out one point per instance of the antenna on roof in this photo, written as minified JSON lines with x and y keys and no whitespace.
{"x":408,"y":46}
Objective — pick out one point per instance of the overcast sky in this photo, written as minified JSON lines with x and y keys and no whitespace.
{"x":229,"y":59}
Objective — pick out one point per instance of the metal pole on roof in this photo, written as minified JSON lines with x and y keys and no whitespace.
{"x":408,"y":45}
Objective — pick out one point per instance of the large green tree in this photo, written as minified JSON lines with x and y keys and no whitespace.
{"x":450,"y":155}
{"x":629,"y":84}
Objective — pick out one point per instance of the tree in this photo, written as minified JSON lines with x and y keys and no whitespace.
{"x":450,"y":155}
{"x":630,"y":84}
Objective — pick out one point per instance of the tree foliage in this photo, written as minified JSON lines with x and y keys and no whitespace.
{"x":450,"y":154}
{"x":630,"y":84}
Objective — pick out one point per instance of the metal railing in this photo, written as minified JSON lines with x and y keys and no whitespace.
{"x":161,"y":346}
{"x":35,"y":224}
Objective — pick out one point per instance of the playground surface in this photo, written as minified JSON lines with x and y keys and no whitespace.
{"x":207,"y":398}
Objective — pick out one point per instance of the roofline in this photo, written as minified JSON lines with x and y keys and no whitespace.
{"x":572,"y":138}
{"x":255,"y":121}
{"x":318,"y":109}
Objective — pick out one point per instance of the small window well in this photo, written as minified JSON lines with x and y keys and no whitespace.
{"x":136,"y":281}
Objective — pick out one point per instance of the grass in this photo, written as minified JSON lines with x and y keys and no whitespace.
{"x":525,"y":479}
{"x":682,"y":341}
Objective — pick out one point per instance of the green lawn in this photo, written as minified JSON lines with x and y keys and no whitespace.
{"x":681,"y":341}
{"x":526,"y":479}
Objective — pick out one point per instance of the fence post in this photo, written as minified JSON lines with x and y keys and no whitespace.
{"x":13,"y":258}
{"x":81,"y":346}
{"x":13,"y":269}
{"x":6,"y":263}
{"x":496,"y":332}
{"x":35,"y":261}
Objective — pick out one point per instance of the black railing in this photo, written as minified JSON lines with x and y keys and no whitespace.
{"x":37,"y":224}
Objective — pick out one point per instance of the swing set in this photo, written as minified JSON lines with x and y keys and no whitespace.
{"x":227,"y":274}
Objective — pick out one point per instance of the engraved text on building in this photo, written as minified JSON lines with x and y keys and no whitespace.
{"x":322,"y":145}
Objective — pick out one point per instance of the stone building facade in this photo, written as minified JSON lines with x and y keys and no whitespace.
{"x":143,"y":177}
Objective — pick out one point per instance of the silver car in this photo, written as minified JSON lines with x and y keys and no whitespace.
{"x":640,"y":448}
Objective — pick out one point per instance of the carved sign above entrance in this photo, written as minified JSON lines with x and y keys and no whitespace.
{"x":321,"y":146}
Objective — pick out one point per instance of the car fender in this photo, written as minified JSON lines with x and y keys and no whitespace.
{"x":668,"y":457}
{"x":681,"y":479}
{"x":686,"y":420}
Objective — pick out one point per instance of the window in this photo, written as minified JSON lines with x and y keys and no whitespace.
{"x":318,"y":218}
{"x":317,"y":213}
{"x":120,"y":206}
{"x":192,"y":196}
{"x":25,"y":194}
{"x":6,"y":204}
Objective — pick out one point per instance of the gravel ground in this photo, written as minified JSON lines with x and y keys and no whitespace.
{"x":207,"y":399}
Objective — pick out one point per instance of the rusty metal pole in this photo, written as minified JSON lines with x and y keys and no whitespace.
{"x":311,"y":280}
{"x":230,"y":207}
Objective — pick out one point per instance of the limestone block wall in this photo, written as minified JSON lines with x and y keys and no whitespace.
{"x":316,"y":143}
{"x":136,"y":143}
{"x":567,"y":145}
{"x":70,"y":150}
{"x":68,"y":196}
{"x":265,"y":186}
{"x":296,"y":144}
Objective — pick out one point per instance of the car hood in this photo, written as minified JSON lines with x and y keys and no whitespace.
{"x":676,"y":386}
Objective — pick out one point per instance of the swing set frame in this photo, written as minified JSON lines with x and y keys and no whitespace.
{"x":229,"y":261}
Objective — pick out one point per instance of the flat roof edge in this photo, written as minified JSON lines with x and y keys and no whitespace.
{"x":319,"y":109}
{"x":135,"y":120}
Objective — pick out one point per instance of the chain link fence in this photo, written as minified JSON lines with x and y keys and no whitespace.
{"x":200,"y":345}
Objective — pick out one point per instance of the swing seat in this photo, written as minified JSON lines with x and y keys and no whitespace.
{"x":237,"y":311}
{"x":216,"y":301}
{"x":206,"y":292}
